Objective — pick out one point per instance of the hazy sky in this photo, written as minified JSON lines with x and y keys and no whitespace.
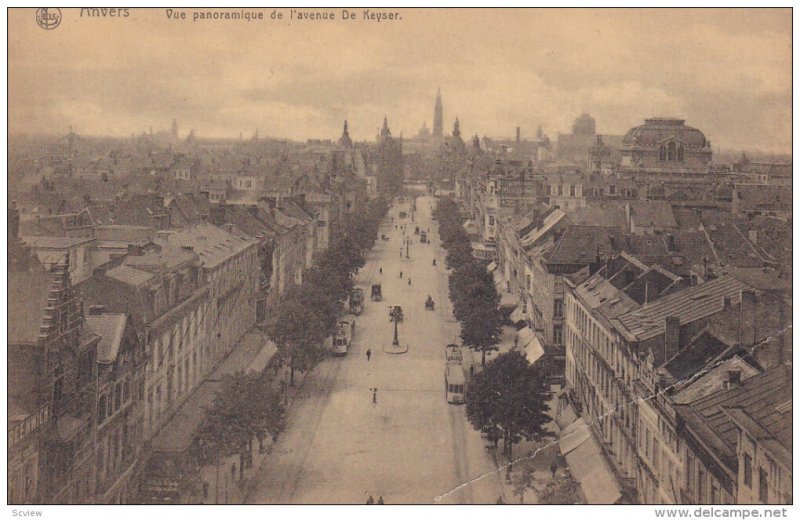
{"x":727,"y":72}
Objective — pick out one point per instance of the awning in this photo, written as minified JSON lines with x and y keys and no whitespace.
{"x":508,"y":299}
{"x":586,"y":463}
{"x":566,"y":415}
{"x":492,"y":266}
{"x":524,"y":336}
{"x":470,"y":227}
{"x":517,"y":316}
{"x":533,"y":350}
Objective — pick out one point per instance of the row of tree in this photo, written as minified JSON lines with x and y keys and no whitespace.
{"x":308,"y":313}
{"x":509,"y":396}
{"x":250,"y":405}
{"x":472,"y":290}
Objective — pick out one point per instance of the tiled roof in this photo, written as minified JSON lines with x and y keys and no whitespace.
{"x":657,"y":213}
{"x":110,"y":328}
{"x":759,"y":197}
{"x":760,"y":398}
{"x":169,"y":257}
{"x":580,"y":244}
{"x":688,"y":305}
{"x":212,"y":244}
{"x":55,"y":242}
{"x":129,"y":275}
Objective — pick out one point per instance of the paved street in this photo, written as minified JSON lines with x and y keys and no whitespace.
{"x":409,"y":447}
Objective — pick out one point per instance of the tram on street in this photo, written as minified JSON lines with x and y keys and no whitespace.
{"x":343,"y":335}
{"x":453,"y":355}
{"x":357,"y":301}
{"x":454,"y":383}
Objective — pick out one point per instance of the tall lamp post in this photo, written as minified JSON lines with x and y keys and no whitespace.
{"x":396,"y":315}
{"x":408,"y":242}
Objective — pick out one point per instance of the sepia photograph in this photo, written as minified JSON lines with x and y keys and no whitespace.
{"x":400,"y":256}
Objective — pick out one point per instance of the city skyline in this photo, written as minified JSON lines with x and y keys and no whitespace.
{"x":724,"y":71}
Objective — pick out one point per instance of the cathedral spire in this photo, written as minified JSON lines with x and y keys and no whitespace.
{"x":385,"y":133}
{"x":438,"y":130}
{"x":345,"y":139}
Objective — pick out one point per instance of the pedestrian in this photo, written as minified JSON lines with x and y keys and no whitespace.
{"x":233,"y":471}
{"x":374,"y":396}
{"x":370,"y":500}
{"x":409,"y":280}
{"x":554,"y":468}
{"x":369,"y":354}
{"x":380,"y":270}
{"x":205,"y":489}
{"x":401,"y":274}
{"x":500,"y":500}
{"x":380,"y":500}
{"x":471,"y":370}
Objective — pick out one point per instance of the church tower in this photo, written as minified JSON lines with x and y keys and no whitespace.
{"x":345,"y":140}
{"x":438,"y":130}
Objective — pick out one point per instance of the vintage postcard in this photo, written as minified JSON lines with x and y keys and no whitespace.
{"x":400,"y":256}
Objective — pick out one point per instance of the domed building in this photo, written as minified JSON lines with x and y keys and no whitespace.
{"x":665,"y":143}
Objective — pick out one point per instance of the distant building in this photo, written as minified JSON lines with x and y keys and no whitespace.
{"x":438,"y":122}
{"x":390,"y":163}
{"x":665,"y":144}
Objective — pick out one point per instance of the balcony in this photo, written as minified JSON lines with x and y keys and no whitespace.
{"x":28,"y":425}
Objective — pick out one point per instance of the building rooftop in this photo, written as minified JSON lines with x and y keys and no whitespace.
{"x":129,"y":275}
{"x":765,"y":399}
{"x":212,"y":244}
{"x":688,"y":305}
{"x":110,"y":328}
{"x":55,"y":242}
{"x":656,"y":213}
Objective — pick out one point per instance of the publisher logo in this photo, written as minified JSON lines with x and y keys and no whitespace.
{"x":48,"y":17}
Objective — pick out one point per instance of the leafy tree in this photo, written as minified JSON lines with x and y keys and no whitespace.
{"x":481,"y":327}
{"x":296,"y":332}
{"x":510,"y":394}
{"x":563,"y":490}
{"x":245,"y":407}
{"x":471,"y":284}
{"x":522,"y":481}
{"x":458,"y":255}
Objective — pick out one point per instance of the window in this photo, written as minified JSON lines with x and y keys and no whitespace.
{"x":491,"y":221}
{"x":101,"y":409}
{"x":680,"y":153}
{"x":612,"y":190}
{"x":671,"y":152}
{"x":558,"y":334}
{"x":701,"y":485}
{"x":572,"y":191}
{"x":763,"y":487}
{"x":662,"y":153}
{"x":748,"y":471}
{"x":558,"y":308}
{"x":560,"y":190}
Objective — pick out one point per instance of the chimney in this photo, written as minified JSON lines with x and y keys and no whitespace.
{"x":135,"y":250}
{"x":672,"y":336}
{"x":218,"y":214}
{"x":517,"y":134}
{"x":96,"y":310}
{"x":747,"y":318}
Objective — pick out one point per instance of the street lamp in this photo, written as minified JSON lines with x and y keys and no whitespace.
{"x":408,"y":242}
{"x":396,"y":315}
